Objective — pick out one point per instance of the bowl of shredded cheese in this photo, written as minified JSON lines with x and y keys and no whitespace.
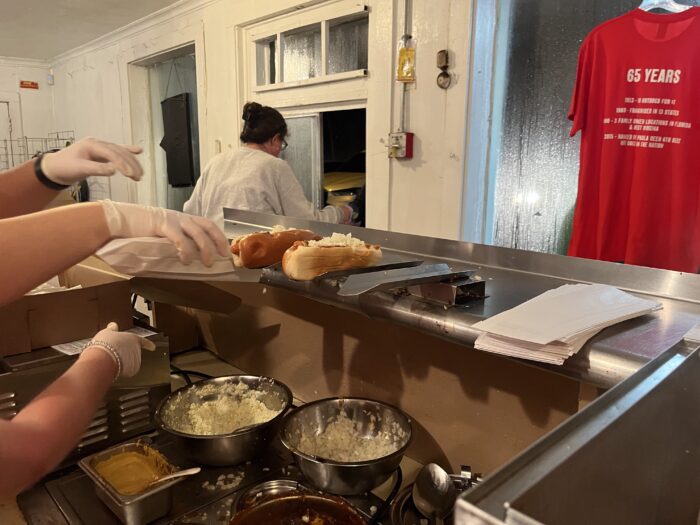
{"x":347,"y":446}
{"x":225,"y":420}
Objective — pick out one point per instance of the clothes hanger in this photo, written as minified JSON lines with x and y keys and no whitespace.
{"x":666,"y":5}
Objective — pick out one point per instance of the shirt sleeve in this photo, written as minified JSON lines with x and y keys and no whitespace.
{"x":579,"y":100}
{"x":193,"y":206}
{"x":294,"y":203}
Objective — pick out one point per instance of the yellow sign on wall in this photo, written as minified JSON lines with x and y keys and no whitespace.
{"x":407,"y":65}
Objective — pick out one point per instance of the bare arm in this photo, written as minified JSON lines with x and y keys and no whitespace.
{"x":21,"y":192}
{"x":40,"y":245}
{"x":36,"y":440}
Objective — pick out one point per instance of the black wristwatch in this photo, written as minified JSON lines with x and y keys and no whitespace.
{"x":41,"y":176}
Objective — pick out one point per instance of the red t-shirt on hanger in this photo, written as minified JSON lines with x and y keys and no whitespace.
{"x":637,"y":104}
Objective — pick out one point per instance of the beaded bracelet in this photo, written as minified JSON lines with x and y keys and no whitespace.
{"x":111,"y":351}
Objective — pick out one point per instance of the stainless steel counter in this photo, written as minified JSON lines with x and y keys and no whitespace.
{"x":512,"y":277}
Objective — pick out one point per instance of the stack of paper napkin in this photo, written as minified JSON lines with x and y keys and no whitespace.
{"x":556,"y":324}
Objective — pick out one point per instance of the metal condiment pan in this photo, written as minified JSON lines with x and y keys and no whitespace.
{"x":139,"y":508}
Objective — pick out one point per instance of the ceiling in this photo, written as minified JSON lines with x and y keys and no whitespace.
{"x":42,"y":29}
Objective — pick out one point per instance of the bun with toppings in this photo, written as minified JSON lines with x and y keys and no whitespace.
{"x":306,"y":260}
{"x":261,"y":249}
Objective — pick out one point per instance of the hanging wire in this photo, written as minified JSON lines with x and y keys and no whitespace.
{"x":173,"y":66}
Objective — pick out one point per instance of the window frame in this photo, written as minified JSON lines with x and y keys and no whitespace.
{"x":276,"y":28}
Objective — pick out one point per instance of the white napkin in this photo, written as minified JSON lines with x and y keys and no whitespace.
{"x":693,"y":335}
{"x":556,"y":324}
{"x":554,"y":353}
{"x":157,"y":257}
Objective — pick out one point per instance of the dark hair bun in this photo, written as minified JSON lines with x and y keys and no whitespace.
{"x":250,"y":110}
{"x":261,"y":123}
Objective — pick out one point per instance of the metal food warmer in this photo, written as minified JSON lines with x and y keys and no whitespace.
{"x":631,"y":456}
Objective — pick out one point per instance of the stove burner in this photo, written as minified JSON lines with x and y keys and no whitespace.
{"x":70,"y":498}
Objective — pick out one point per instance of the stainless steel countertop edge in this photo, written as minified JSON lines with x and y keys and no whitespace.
{"x":512,"y":276}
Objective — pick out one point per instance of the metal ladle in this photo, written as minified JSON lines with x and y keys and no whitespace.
{"x":434,"y":494}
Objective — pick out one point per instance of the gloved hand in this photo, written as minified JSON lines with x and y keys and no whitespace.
{"x":124,"y":348}
{"x":91,"y":157}
{"x":193,"y":236}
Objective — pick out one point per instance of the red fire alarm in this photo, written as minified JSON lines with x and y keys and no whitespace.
{"x":28,"y":84}
{"x":401,"y":145}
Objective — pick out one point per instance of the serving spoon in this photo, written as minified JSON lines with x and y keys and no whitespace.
{"x":434,"y":494}
{"x":178,"y":474}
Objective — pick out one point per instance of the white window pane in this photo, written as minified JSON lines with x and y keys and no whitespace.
{"x":265,"y":66}
{"x":347,"y":45}
{"x":302,"y":54}
{"x":536,"y":163}
{"x":303,"y":154}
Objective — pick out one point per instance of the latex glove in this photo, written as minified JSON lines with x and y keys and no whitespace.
{"x":193,"y":236}
{"x":90,"y":157}
{"x":123,"y":347}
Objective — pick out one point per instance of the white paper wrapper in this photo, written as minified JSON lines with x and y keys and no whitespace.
{"x":157,"y":257}
{"x":51,"y":286}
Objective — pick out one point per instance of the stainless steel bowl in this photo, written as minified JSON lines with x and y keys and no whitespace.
{"x":285,"y":501}
{"x":371,"y":418}
{"x":241,"y":445}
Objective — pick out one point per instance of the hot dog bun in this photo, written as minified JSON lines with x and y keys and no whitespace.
{"x":306,"y":260}
{"x":261,"y":249}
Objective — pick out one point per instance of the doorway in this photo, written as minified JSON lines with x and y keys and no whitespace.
{"x":174,"y":125}
{"x":163,"y":100}
{"x":344,"y":158}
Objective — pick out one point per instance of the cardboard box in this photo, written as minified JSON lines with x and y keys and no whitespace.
{"x":179,"y":323}
{"x":176,"y":303}
{"x":38,"y":321}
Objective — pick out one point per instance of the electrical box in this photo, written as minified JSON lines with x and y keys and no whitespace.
{"x":443,"y":59}
{"x":401,"y":145}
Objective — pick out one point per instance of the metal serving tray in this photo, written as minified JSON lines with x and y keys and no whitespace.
{"x":131,"y":510}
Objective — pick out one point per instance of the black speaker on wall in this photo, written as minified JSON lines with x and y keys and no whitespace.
{"x":177,"y":140}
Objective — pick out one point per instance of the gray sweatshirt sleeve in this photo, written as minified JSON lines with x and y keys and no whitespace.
{"x":193,"y":206}
{"x":294,"y":203}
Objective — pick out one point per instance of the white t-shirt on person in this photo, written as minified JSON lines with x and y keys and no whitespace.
{"x":252,"y":180}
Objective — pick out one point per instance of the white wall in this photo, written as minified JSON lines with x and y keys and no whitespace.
{"x":36,"y":105}
{"x":422,"y":196}
{"x":426,"y":192}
